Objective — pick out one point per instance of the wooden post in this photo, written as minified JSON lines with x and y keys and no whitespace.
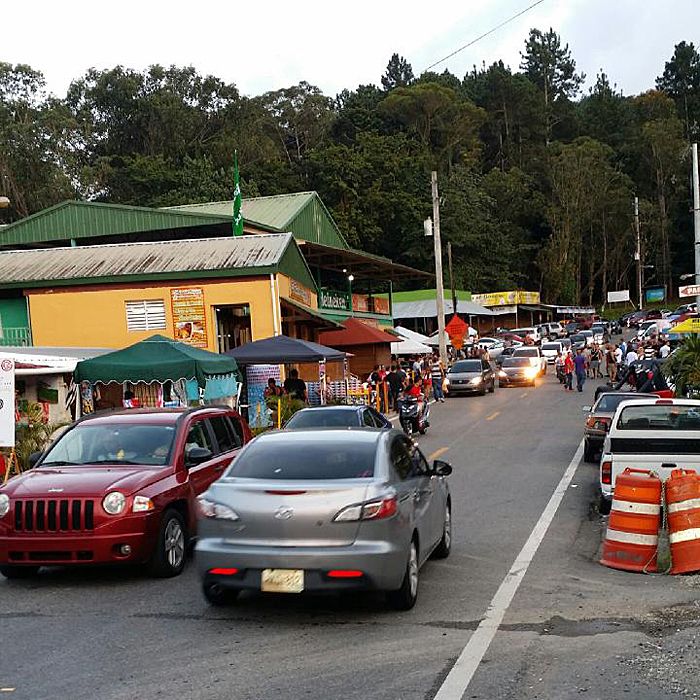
{"x":12,"y":463}
{"x":279,"y":412}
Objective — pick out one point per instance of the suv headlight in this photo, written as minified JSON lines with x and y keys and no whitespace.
{"x":4,"y":504}
{"x":114,"y":503}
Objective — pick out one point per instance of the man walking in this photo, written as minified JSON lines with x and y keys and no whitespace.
{"x":437,"y":374}
{"x":568,"y":372}
{"x":580,"y":368}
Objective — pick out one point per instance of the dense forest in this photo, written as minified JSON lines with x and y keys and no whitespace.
{"x":537,"y":176}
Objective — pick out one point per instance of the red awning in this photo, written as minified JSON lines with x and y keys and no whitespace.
{"x":355,"y":332}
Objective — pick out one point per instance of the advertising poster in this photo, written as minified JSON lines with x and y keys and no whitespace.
{"x":189,"y":316}
{"x":7,"y":403}
{"x":654,"y":294}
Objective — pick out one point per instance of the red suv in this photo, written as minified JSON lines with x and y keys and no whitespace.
{"x":117,"y":487}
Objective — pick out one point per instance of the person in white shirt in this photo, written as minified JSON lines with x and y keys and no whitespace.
{"x":665,"y":350}
{"x":618,"y":354}
{"x":631,"y":357}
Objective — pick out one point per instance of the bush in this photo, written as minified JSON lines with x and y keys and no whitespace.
{"x":288,"y":407}
{"x":32,"y":433}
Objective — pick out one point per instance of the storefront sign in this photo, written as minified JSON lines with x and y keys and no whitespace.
{"x":381,"y":305}
{"x":7,"y":403}
{"x":299,"y":292}
{"x":622,"y":295}
{"x":690,"y":325}
{"x":189,"y":316}
{"x":334,"y":301}
{"x":505,"y":298}
{"x":690,"y":290}
{"x":360,"y":302}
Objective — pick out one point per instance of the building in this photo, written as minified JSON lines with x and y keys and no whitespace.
{"x":85,"y":273}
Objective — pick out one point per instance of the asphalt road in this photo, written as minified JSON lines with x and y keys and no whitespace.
{"x":573,"y":626}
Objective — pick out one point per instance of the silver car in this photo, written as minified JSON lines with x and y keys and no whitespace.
{"x":324,"y":510}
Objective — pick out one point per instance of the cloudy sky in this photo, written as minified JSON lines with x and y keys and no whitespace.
{"x":270,"y":44}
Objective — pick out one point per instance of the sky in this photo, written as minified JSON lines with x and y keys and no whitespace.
{"x":270,"y":44}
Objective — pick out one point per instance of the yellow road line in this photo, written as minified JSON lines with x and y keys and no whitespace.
{"x":493,"y":415}
{"x":437,"y":453}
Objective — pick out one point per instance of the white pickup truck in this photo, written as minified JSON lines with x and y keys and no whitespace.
{"x":656,"y":434}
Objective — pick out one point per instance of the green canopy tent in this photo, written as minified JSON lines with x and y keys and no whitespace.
{"x":156,"y":359}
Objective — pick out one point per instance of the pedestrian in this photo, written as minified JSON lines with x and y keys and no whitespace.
{"x":631,"y":356}
{"x":610,"y":363}
{"x":580,"y":366}
{"x":649,"y":351}
{"x":619,"y":354}
{"x":397,"y":380}
{"x":664,"y":350}
{"x":568,"y":372}
{"x":437,"y":374}
{"x":587,"y":353}
{"x":295,"y":387}
{"x":596,"y":357}
{"x":272,"y":389}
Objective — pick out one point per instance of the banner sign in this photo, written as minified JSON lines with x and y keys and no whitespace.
{"x":360,"y":302}
{"x":690,"y":325}
{"x":622,"y":295}
{"x":652,"y":294}
{"x":506,"y":298}
{"x":690,"y":290}
{"x":334,"y":301}
{"x":381,"y":305}
{"x":189,"y":316}
{"x":299,"y":292}
{"x":7,"y":403}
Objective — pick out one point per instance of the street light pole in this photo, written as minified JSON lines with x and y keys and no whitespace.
{"x":696,"y":217}
{"x":638,"y":253}
{"x":439,"y":289}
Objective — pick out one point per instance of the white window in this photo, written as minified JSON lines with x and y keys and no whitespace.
{"x":146,"y":315}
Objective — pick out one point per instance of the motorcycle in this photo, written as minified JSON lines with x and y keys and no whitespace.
{"x":414,"y":415}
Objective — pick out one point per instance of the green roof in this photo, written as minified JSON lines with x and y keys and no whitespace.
{"x":302,"y":213}
{"x":75,"y":220}
{"x":428,"y":294}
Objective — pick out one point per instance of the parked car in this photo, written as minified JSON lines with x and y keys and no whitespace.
{"x":588,"y":335}
{"x":535,"y":356}
{"x":600,"y":333}
{"x":599,"y":419}
{"x":571,"y":328}
{"x":551,"y":350}
{"x":117,"y":488}
{"x":338,"y":417}
{"x":555,"y":330}
{"x":331,"y":510}
{"x":530,"y":331}
{"x":470,"y":377}
{"x":517,"y":371}
{"x":495,"y":346}
{"x":656,"y":434}
{"x":577,"y":342}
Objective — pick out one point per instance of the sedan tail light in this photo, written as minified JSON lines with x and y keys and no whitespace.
{"x":377,"y":509}
{"x":344,"y":573}
{"x":606,"y":473}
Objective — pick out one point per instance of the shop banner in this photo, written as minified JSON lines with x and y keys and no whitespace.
{"x":7,"y":403}
{"x":333,"y":300}
{"x":690,"y":290}
{"x":299,"y":292}
{"x":506,"y":298}
{"x":360,"y":302}
{"x":189,"y":316}
{"x":381,"y":305}
{"x":621,"y":295}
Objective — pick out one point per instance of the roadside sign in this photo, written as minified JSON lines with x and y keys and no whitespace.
{"x":690,"y":290}
{"x":7,"y":402}
{"x":621,"y":295}
{"x":690,"y":325}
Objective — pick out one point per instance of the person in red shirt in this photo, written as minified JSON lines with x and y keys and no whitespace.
{"x":568,"y":372}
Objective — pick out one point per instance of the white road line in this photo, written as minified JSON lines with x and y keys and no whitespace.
{"x":459,"y":678}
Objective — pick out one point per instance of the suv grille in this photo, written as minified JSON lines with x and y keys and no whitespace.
{"x":49,"y":515}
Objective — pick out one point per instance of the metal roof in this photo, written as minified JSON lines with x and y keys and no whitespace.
{"x":428,"y":308}
{"x":207,"y":257}
{"x":75,"y":220}
{"x":302,"y":213}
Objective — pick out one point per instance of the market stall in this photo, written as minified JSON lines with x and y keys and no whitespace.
{"x":156,"y":372}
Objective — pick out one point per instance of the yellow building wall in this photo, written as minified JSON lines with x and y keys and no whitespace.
{"x":96,"y":317}
{"x":285,"y":288}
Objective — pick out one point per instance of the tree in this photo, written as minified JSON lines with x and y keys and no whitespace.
{"x":681,"y":81}
{"x":551,"y":68}
{"x":398,"y":73}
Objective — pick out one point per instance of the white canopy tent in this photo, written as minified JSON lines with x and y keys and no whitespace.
{"x":410,"y":347}
{"x":412,"y":335}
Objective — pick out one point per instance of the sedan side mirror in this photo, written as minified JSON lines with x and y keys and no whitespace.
{"x":34,"y":457}
{"x":197,"y":455}
{"x":441,"y":468}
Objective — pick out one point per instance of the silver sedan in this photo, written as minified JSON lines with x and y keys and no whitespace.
{"x":324,"y":510}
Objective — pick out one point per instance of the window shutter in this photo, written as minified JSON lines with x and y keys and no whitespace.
{"x":147,"y":315}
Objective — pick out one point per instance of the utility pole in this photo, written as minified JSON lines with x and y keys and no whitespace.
{"x":638,"y":253}
{"x":439,"y":289}
{"x":452,"y":277}
{"x":696,"y":216}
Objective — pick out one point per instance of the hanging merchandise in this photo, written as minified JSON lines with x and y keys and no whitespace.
{"x":87,"y":404}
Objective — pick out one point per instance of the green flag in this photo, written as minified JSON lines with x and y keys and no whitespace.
{"x":237,"y":199}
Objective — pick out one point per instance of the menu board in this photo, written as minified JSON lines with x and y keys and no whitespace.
{"x":189,"y":316}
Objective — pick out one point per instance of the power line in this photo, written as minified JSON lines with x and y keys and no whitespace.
{"x":485,"y":34}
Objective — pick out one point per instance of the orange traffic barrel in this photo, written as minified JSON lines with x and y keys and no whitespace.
{"x":632,"y":537}
{"x":683,"y":504}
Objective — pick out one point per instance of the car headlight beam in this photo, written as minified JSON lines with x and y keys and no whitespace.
{"x":114,"y":503}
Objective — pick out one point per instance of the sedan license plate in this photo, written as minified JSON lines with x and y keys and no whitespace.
{"x":282,"y":580}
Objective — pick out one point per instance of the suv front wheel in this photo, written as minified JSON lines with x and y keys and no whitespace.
{"x":169,"y":556}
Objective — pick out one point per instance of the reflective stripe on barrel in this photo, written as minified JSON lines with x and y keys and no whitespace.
{"x":631,"y":537}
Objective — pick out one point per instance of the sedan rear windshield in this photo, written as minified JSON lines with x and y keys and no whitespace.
{"x":466,"y":366}
{"x":527,"y":352}
{"x":552,"y":346}
{"x":112,"y":444}
{"x":609,"y":402}
{"x":323,"y":418}
{"x":516,"y":362}
{"x":305,"y":460}
{"x":660,"y":417}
